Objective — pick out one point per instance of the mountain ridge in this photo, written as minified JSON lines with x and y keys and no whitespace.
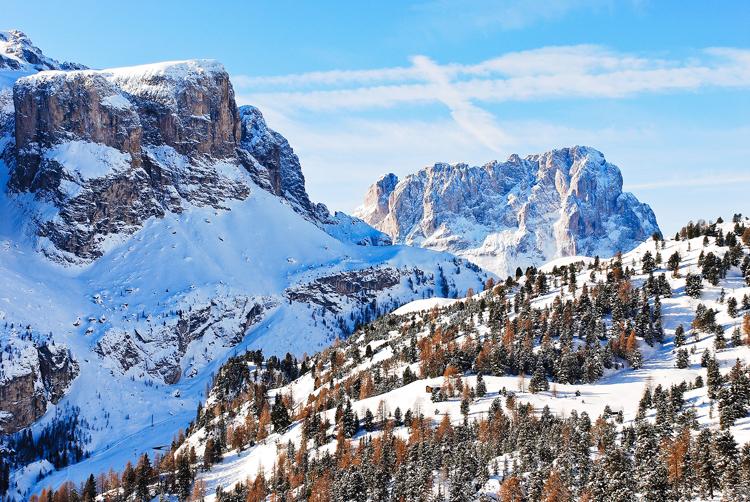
{"x":517,"y":213}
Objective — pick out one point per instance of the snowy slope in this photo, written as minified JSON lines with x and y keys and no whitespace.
{"x":182,"y":262}
{"x":620,"y":389}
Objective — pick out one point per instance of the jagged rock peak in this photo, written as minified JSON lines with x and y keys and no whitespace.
{"x":18,"y":53}
{"x":283,"y":172}
{"x":375,"y":207}
{"x":274,"y":166}
{"x":521,"y":212}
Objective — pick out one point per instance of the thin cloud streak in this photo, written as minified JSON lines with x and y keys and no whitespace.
{"x":547,"y":73}
{"x":544,"y":60}
{"x":472,"y":119}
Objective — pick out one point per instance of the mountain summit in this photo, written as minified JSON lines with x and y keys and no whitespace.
{"x":521,"y":212}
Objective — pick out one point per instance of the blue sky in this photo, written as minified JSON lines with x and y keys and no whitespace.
{"x":662,"y":88}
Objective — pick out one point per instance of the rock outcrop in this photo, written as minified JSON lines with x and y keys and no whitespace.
{"x":109,"y":149}
{"x":282,"y":171}
{"x":18,"y":53}
{"x":31,"y":377}
{"x":157,"y":346}
{"x":516,"y":213}
{"x":376,"y":206}
{"x":273,"y":165}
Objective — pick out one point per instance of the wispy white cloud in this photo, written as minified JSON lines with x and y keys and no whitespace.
{"x":552,"y":72}
{"x":332,"y":77}
{"x":472,"y":119}
{"x":541,"y":61}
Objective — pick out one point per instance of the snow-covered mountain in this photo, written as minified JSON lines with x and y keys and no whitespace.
{"x":512,"y":214}
{"x":149,"y":228}
{"x":19,"y":57}
{"x":100,"y":152}
{"x":588,"y":379}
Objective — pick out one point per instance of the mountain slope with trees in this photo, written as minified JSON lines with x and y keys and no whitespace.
{"x":618,"y":379}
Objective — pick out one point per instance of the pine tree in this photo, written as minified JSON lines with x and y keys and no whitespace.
{"x":208,"y":454}
{"x":732,"y":307}
{"x":726,"y":460}
{"x":572,"y":278}
{"x":349,"y":421}
{"x":593,"y":366}
{"x":465,"y":405}
{"x":481,"y":386}
{"x":397,"y":416}
{"x":636,"y":359}
{"x":683,"y":359}
{"x":713,"y":377}
{"x":143,"y":474}
{"x":89,"y":490}
{"x":706,"y":473}
{"x":369,"y":421}
{"x":408,"y":376}
{"x":679,"y":336}
{"x":736,"y":337}
{"x":648,"y":262}
{"x":693,"y":285}
{"x":673,"y":264}
{"x":720,"y":342}
{"x":279,"y":415}
{"x":618,"y":476}
{"x":184,"y":476}
{"x":538,"y":382}
{"x":128,"y":480}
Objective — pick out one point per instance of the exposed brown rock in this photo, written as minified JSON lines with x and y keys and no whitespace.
{"x":173,"y":122}
{"x":24,"y":398}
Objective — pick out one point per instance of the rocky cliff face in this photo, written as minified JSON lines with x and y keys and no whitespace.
{"x":516,"y":213}
{"x":281,"y":167}
{"x":158,"y":344}
{"x":376,"y":206}
{"x":272,"y":163}
{"x":31,"y":377}
{"x":109,"y":149}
